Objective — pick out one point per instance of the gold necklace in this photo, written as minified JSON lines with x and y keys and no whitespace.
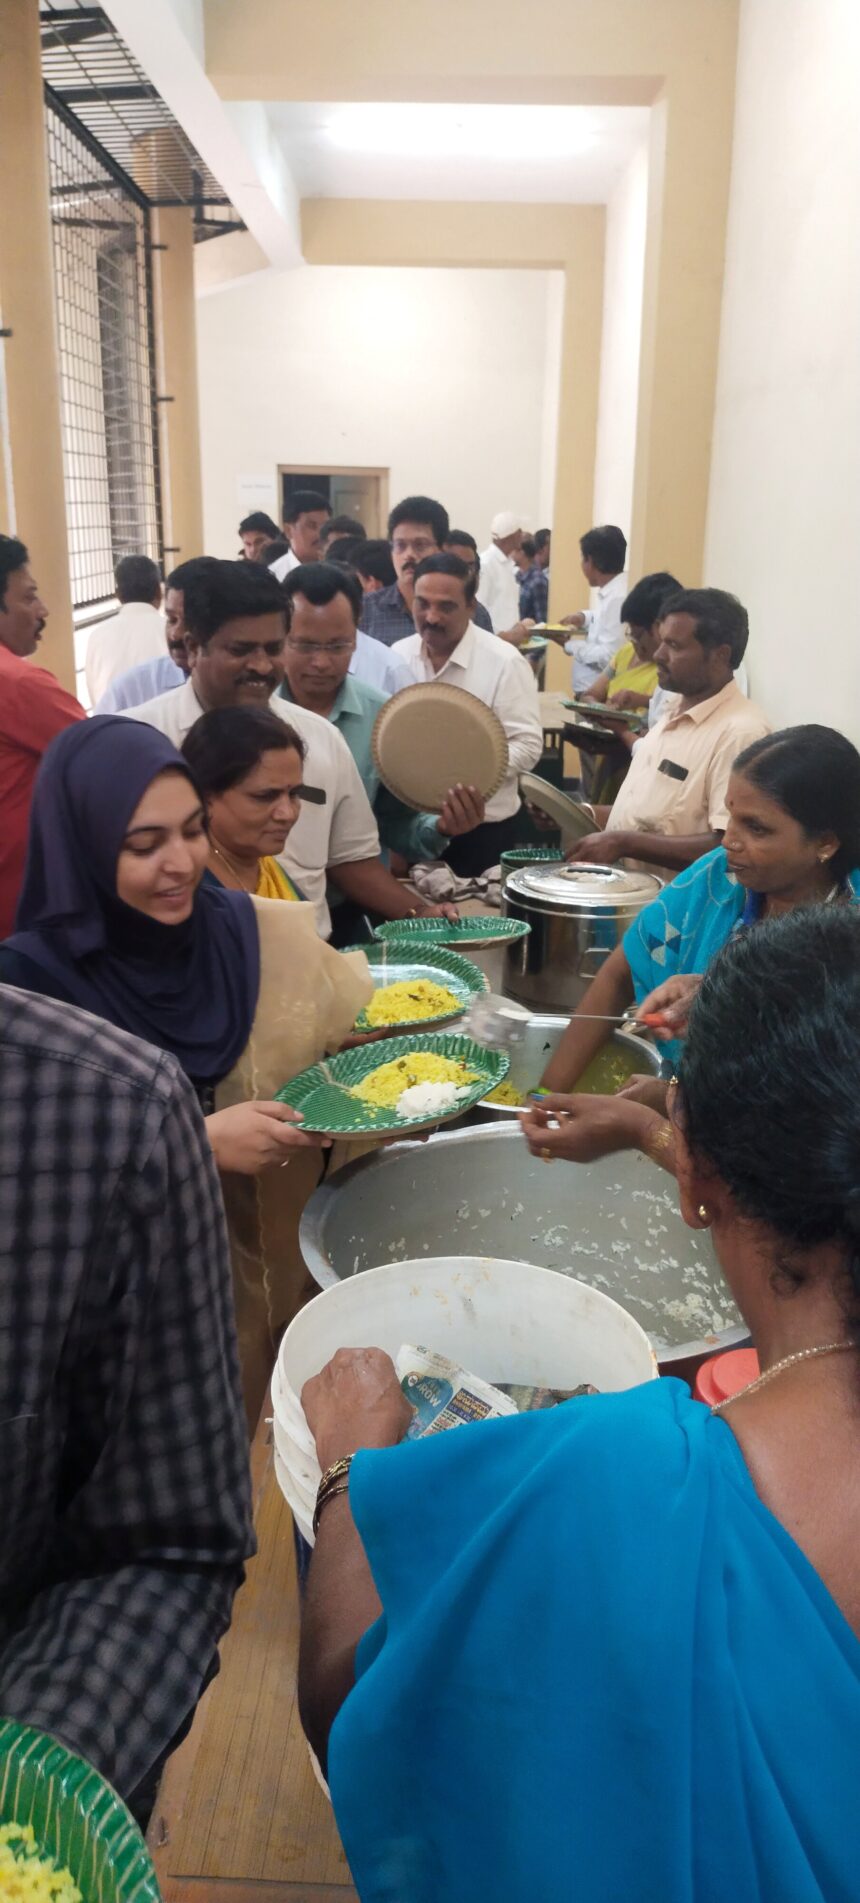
{"x":234,"y":870}
{"x":803,"y":1354}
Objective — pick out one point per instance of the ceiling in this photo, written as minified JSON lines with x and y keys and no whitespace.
{"x":524,"y":154}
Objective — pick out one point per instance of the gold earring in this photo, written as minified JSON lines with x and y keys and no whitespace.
{"x":703,"y":1214}
{"x":823,"y":858}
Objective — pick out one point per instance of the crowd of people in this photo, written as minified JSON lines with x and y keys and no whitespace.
{"x":181,"y":871}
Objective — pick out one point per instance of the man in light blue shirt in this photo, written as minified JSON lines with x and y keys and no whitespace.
{"x":326,"y":601}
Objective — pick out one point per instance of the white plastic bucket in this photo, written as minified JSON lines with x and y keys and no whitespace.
{"x":506,"y":1321}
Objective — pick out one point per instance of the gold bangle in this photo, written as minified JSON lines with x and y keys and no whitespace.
{"x":661,"y":1140}
{"x":335,"y":1480}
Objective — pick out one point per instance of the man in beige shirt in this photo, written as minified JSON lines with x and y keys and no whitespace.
{"x":672,"y":806}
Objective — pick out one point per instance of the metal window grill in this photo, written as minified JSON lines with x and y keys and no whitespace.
{"x":115,"y":150}
{"x":104,"y":319}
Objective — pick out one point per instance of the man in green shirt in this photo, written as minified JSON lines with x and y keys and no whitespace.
{"x":326,"y":603}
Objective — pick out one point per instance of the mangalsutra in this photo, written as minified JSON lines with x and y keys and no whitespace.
{"x":231,"y":868}
{"x":790,"y":1361}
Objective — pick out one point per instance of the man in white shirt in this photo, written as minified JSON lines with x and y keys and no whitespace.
{"x":449,"y":647}
{"x":604,"y":552}
{"x":305,"y":518}
{"x":257,"y":532}
{"x":135,"y":634}
{"x":499,"y":585}
{"x":236,"y":620}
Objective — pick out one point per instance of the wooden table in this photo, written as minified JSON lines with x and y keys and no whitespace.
{"x":240,"y":1817}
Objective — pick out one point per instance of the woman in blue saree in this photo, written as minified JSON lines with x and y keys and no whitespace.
{"x":610,"y":1652}
{"x":793,"y":839}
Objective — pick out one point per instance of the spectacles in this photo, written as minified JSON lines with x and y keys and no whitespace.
{"x":320,"y":647}
{"x":416,"y":545}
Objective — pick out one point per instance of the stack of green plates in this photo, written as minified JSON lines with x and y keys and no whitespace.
{"x":530,"y":856}
{"x":323,"y":1093}
{"x":396,"y":964}
{"x":487,"y":929}
{"x":76,"y":1817}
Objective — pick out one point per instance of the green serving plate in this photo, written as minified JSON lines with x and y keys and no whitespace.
{"x":77,"y":1818}
{"x":603,"y":710}
{"x":323,"y":1093}
{"x":530,"y":856}
{"x":486,"y":929}
{"x":392,"y":964}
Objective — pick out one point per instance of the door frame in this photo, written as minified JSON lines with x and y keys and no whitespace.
{"x":377,"y":470}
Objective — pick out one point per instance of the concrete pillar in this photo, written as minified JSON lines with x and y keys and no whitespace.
{"x":688,"y":189}
{"x":579,"y":381}
{"x":162,"y":169}
{"x":32,"y":494}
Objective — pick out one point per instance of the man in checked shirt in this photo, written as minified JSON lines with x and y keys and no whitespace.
{"x":124,"y":1480}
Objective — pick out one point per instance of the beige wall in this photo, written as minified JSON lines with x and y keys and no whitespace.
{"x":436,"y":375}
{"x":785,"y":485}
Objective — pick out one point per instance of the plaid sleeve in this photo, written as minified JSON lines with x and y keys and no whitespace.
{"x":149,"y":1521}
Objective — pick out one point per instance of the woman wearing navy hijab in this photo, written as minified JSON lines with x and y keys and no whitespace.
{"x":113,"y":917}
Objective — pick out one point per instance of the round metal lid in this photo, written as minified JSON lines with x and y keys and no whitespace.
{"x":584,"y":887}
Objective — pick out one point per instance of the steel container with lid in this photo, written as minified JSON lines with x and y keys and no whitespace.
{"x":578,"y":914}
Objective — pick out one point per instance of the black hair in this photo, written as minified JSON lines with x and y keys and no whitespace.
{"x":226,"y":744}
{"x":768,"y":1080}
{"x":260,"y":523}
{"x":343,"y":548}
{"x":137,"y":578}
{"x":180,"y":577}
{"x":320,"y":582}
{"x":462,"y":539}
{"x":224,"y":591}
{"x":644,"y":604}
{"x":606,"y":547}
{"x":448,"y":565}
{"x":721,"y":620}
{"x":13,"y":556}
{"x":305,"y":502}
{"x":274,"y":551}
{"x":813,"y":773}
{"x":373,"y":558}
{"x":344,"y":525}
{"x":542,"y":536}
{"x":421,"y":509}
{"x":528,"y":546}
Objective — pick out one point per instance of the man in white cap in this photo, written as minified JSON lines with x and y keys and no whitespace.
{"x":499,"y":586}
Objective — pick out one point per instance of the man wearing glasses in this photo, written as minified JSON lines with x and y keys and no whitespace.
{"x":416,"y":528}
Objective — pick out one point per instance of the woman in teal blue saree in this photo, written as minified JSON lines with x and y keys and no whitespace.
{"x":610,"y":1652}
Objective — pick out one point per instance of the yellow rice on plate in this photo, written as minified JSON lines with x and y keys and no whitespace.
{"x":26,"y":1875}
{"x":410,"y":1000}
{"x":505,"y":1093}
{"x":385,"y":1085}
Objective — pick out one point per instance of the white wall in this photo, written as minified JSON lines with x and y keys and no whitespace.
{"x":437,"y":375}
{"x":785,"y":483}
{"x":622,"y":330}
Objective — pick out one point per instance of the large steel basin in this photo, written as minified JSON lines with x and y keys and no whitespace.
{"x":614,"y":1224}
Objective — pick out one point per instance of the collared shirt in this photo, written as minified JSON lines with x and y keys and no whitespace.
{"x":115,"y":645}
{"x":283,"y":566}
{"x":335,"y":834}
{"x":33,"y":708}
{"x":123,"y":1447}
{"x":604,"y":633}
{"x":680,"y":771}
{"x":372,"y":663}
{"x":495,"y":673}
{"x":140,"y":683}
{"x":386,"y":617}
{"x":661,"y":699}
{"x":354,"y":714}
{"x":534,"y":595}
{"x":499,"y":587}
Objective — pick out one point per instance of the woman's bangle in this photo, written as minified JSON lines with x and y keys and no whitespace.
{"x":658,"y":1141}
{"x":335,"y":1480}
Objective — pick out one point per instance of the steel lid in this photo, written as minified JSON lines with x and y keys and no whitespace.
{"x":584,"y":887}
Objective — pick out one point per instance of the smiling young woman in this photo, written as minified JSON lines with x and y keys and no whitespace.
{"x":119,"y":916}
{"x":793,"y":839}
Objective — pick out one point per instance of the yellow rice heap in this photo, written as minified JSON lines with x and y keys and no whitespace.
{"x":26,"y":1876}
{"x":386,"y":1084}
{"x":410,"y":1000}
{"x":505,"y":1093}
